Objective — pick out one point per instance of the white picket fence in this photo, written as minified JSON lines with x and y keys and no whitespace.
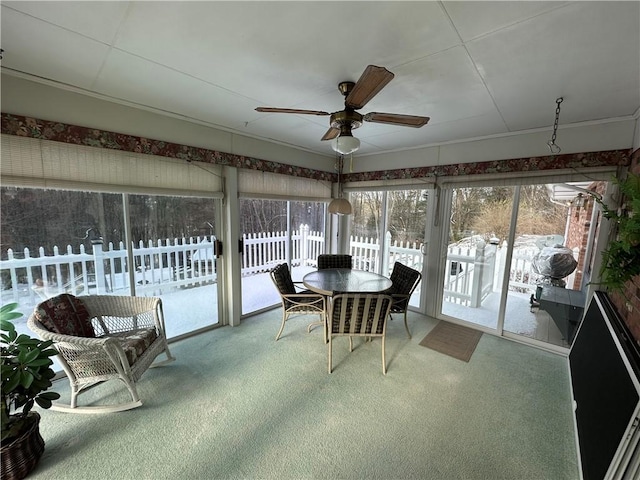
{"x":264,"y":250}
{"x":182,"y":262}
{"x":366,"y":253}
{"x":472,"y":271}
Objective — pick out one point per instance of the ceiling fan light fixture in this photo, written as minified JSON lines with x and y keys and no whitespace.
{"x":345,"y":144}
{"x":340,"y":206}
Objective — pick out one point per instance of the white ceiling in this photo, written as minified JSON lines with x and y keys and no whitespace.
{"x":476,"y":68}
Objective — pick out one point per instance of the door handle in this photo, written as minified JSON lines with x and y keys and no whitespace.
{"x":217,"y":247}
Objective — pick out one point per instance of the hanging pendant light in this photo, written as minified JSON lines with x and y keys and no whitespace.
{"x":340,"y":205}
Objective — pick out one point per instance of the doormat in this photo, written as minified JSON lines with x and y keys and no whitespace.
{"x":453,"y":340}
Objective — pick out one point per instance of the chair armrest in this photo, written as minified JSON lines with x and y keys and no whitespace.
{"x":290,"y":296}
{"x":296,"y":299}
{"x":36,"y":327}
{"x":401,"y":300}
{"x":399,"y":296}
{"x":299,"y":285}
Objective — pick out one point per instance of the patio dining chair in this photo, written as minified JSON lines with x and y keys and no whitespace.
{"x":297,"y":302}
{"x":405,"y":280}
{"x":330,"y":260}
{"x":359,"y":315}
{"x":101,"y":338}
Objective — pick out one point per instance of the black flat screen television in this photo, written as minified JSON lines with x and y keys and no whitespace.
{"x":604,"y":365}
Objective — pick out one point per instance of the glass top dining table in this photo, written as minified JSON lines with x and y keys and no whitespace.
{"x":345,"y":280}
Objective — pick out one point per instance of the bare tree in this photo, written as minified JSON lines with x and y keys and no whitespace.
{"x":537,"y":214}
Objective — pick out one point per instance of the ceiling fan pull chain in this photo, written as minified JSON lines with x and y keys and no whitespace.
{"x":552,"y":143}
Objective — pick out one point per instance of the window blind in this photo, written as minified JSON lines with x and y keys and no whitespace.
{"x":391,"y":184}
{"x":528,"y":178}
{"x":267,"y":185}
{"x":30,"y":162}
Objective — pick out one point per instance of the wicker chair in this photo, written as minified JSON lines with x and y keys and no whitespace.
{"x":296,"y":302}
{"x":100,"y":338}
{"x":328,"y":260}
{"x":347,"y":318}
{"x":405,"y":280}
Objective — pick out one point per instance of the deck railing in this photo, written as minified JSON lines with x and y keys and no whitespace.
{"x":170,"y":263}
{"x":472,"y":271}
{"x":263,"y":251}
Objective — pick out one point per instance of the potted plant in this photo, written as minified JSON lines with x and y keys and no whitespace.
{"x":26,"y":375}
{"x":621,"y":257}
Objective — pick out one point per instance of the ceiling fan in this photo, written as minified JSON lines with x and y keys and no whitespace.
{"x":357,"y":95}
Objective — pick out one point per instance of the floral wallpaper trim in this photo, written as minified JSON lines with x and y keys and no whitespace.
{"x":551,"y":162}
{"x":60,"y":132}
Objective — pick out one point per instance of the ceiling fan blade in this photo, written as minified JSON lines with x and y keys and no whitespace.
{"x":291,"y":110}
{"x":372,"y":80}
{"x":331,"y":134}
{"x":396,"y":119}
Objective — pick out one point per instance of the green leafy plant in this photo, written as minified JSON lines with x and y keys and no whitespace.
{"x":26,"y":375}
{"x":621,"y":258}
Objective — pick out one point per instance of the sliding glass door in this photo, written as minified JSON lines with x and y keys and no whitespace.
{"x":389,"y":227}
{"x":554,"y":240}
{"x":274,"y":232}
{"x":173,"y":244}
{"x":61,"y":241}
{"x":505,"y":243}
{"x":368,"y":227}
{"x":404,"y":239}
{"x":475,"y":254}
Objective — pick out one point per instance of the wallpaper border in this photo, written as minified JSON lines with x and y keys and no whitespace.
{"x":60,"y":132}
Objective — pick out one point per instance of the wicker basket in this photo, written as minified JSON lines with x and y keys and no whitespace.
{"x":21,"y":456}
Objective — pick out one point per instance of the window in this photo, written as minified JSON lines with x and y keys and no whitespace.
{"x":274,"y":232}
{"x":61,"y":241}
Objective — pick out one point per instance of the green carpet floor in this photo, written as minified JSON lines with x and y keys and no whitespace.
{"x":237,"y":404}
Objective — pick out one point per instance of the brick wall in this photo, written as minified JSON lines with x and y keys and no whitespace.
{"x":578,"y":230}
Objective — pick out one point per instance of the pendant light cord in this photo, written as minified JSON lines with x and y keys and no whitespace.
{"x":552,"y":143}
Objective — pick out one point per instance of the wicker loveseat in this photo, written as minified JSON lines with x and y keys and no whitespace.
{"x":100,"y":338}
